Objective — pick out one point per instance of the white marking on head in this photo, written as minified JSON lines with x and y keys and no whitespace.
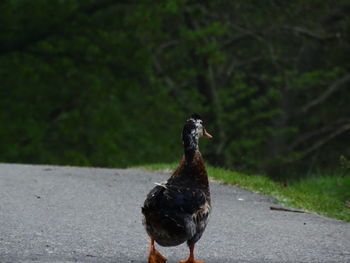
{"x":196,"y":131}
{"x":199,"y":127}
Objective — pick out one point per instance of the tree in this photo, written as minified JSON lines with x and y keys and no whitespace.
{"x":87,"y":82}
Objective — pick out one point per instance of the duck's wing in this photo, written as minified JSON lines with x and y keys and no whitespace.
{"x":180,"y":199}
{"x":195,"y":203}
{"x":181,"y":210}
{"x":199,"y":207}
{"x":185,"y":199}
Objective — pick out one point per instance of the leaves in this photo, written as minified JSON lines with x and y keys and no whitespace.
{"x":110,"y":83}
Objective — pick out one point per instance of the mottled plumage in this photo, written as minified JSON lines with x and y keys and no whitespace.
{"x":177,"y":211}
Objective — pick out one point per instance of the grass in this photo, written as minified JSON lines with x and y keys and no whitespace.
{"x":324,"y":194}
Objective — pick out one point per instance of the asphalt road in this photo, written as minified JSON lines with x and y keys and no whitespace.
{"x":69,"y":214}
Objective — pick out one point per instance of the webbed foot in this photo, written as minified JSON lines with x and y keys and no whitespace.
{"x":154,"y":255}
{"x":191,"y":260}
{"x":191,"y":257}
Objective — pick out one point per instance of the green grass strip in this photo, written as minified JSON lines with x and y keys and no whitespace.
{"x":327,"y":195}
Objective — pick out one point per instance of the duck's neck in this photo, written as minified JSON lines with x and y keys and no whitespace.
{"x":194,"y":171}
{"x":190,"y":147}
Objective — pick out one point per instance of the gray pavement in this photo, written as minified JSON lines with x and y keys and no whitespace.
{"x":69,"y":214}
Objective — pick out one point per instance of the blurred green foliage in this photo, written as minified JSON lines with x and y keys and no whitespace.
{"x":110,"y":83}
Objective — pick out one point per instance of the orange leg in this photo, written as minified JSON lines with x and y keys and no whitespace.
{"x":154,"y":255}
{"x":191,"y":257}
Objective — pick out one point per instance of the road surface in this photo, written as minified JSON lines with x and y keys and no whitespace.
{"x":69,"y":214}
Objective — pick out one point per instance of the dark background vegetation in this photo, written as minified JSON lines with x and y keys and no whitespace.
{"x":110,"y":83}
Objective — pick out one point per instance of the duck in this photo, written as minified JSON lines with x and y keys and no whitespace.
{"x":177,"y":211}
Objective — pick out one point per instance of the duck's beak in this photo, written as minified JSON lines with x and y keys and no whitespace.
{"x":206,"y":134}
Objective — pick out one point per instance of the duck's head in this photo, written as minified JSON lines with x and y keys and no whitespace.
{"x":192,"y":131}
{"x":194,"y":127}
